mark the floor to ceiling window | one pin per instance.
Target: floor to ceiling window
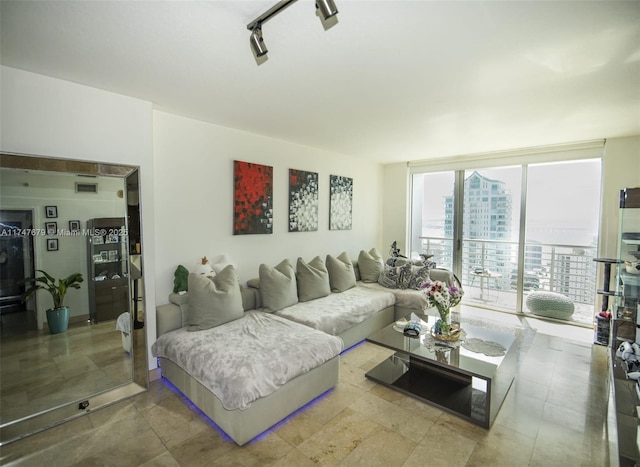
(513, 226)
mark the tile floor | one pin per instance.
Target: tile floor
(554, 415)
(39, 370)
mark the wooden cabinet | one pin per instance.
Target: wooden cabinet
(108, 271)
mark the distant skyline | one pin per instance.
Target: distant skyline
(563, 200)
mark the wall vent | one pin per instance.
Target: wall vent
(86, 187)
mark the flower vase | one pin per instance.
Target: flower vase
(445, 318)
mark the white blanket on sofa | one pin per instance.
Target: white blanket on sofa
(338, 312)
(251, 357)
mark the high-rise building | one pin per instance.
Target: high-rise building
(487, 216)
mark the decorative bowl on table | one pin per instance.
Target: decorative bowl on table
(452, 335)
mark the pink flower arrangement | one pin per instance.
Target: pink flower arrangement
(442, 296)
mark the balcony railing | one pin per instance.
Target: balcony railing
(492, 267)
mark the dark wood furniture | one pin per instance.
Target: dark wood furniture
(107, 252)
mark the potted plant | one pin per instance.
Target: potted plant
(58, 316)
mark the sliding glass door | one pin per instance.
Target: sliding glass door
(433, 217)
(512, 230)
(490, 235)
(561, 234)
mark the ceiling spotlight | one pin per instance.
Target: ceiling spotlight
(256, 41)
(327, 8)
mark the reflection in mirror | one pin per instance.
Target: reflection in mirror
(66, 217)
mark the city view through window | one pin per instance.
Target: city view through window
(560, 235)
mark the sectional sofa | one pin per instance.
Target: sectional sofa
(221, 339)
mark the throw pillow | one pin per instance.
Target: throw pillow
(312, 279)
(389, 277)
(341, 274)
(356, 270)
(419, 275)
(371, 265)
(213, 301)
(278, 286)
(404, 276)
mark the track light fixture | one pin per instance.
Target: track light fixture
(256, 41)
(326, 8)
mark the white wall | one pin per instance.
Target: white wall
(621, 169)
(193, 171)
(50, 117)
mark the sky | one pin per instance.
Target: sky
(562, 198)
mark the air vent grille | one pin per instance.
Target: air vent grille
(86, 187)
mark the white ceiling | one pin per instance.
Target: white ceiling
(392, 81)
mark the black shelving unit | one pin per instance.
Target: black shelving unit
(108, 268)
(603, 325)
(624, 326)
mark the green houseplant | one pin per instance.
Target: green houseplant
(58, 316)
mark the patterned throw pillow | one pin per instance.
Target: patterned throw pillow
(389, 277)
(419, 275)
(404, 276)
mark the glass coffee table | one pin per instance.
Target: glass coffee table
(470, 377)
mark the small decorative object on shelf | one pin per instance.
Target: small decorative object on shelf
(443, 297)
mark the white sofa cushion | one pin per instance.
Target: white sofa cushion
(278, 286)
(370, 265)
(213, 300)
(341, 273)
(312, 279)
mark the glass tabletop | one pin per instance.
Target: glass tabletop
(481, 349)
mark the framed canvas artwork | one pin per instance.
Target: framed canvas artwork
(340, 202)
(252, 198)
(303, 201)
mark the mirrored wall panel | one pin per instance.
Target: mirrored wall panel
(71, 282)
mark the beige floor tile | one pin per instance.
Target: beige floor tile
(265, 450)
(392, 417)
(295, 458)
(332, 403)
(382, 448)
(299, 427)
(502, 446)
(355, 376)
(462, 427)
(163, 460)
(158, 390)
(441, 447)
(134, 450)
(338, 438)
(112, 413)
(174, 421)
(202, 449)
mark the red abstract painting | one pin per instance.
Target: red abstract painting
(252, 198)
